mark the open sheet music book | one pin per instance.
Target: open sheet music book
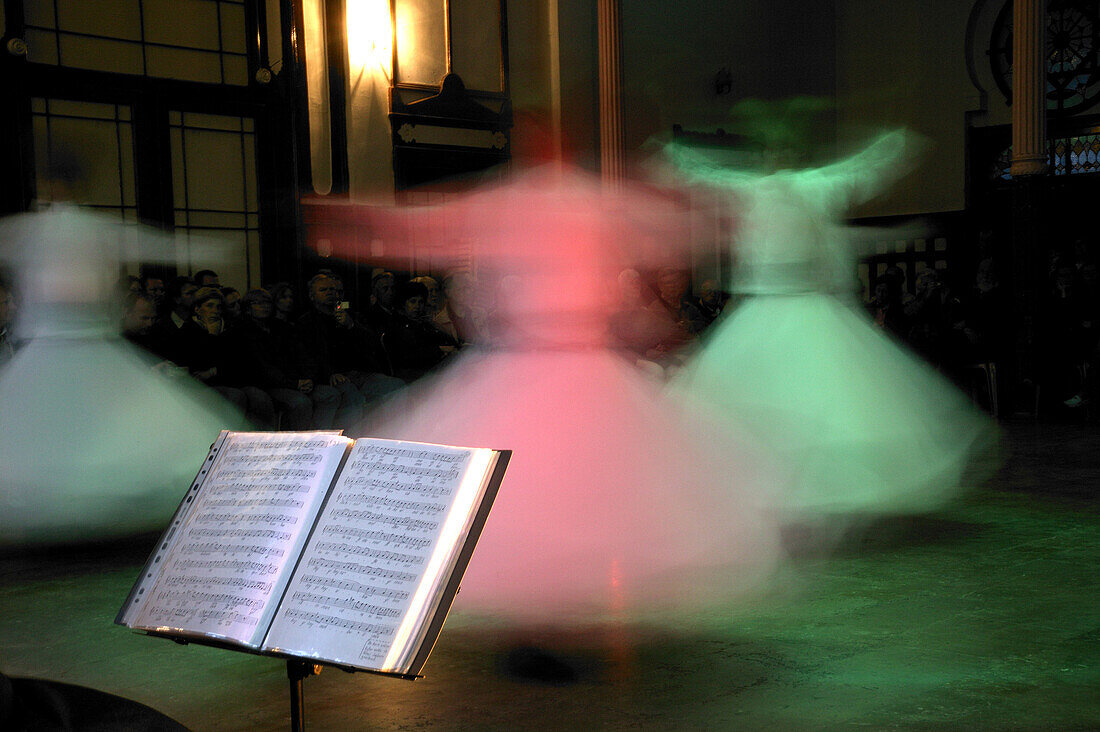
(314, 545)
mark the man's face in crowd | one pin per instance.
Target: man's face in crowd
(326, 292)
(187, 296)
(383, 291)
(154, 288)
(7, 307)
(140, 318)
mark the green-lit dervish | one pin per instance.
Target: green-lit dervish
(94, 442)
(863, 426)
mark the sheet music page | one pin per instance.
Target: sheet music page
(237, 545)
(367, 560)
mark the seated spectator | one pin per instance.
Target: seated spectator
(711, 301)
(459, 316)
(7, 318)
(434, 302)
(232, 303)
(341, 352)
(138, 327)
(888, 303)
(682, 321)
(282, 297)
(214, 358)
(273, 362)
(415, 346)
(381, 317)
(127, 284)
(207, 278)
(632, 325)
(153, 286)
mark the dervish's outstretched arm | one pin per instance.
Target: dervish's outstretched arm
(861, 176)
(698, 167)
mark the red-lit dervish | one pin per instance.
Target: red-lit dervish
(616, 499)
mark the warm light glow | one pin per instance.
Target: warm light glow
(370, 36)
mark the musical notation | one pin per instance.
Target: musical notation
(347, 604)
(240, 584)
(237, 565)
(256, 503)
(241, 533)
(366, 551)
(270, 518)
(394, 504)
(313, 580)
(393, 486)
(412, 542)
(412, 454)
(364, 570)
(448, 474)
(397, 522)
(333, 621)
(254, 459)
(228, 616)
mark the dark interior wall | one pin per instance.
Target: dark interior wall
(673, 52)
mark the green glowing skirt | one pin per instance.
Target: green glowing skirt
(859, 423)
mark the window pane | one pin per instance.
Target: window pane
(236, 70)
(163, 23)
(475, 43)
(112, 18)
(101, 147)
(176, 63)
(39, 13)
(101, 54)
(233, 33)
(41, 47)
(421, 41)
(214, 174)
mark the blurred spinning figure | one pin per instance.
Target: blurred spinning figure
(93, 442)
(610, 504)
(864, 426)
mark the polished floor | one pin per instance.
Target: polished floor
(982, 616)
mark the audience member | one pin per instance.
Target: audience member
(153, 286)
(214, 358)
(381, 317)
(434, 302)
(232, 303)
(711, 301)
(7, 318)
(460, 316)
(274, 362)
(415, 346)
(633, 326)
(889, 301)
(341, 353)
(207, 278)
(681, 320)
(282, 296)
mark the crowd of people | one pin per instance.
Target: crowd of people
(323, 363)
(956, 327)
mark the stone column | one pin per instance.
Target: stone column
(611, 92)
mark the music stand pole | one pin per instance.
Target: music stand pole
(297, 670)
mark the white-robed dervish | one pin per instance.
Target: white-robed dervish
(94, 443)
(863, 425)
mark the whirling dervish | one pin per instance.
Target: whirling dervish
(865, 427)
(611, 504)
(94, 443)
